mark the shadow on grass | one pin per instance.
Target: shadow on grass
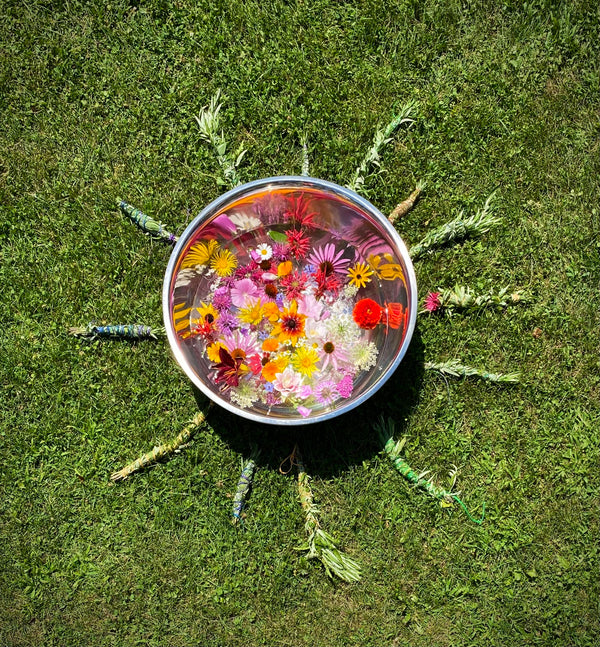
(328, 448)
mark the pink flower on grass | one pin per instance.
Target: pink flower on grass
(327, 261)
(432, 302)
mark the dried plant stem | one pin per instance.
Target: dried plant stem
(406, 205)
(147, 224)
(161, 451)
(132, 332)
(320, 544)
(455, 369)
(458, 229)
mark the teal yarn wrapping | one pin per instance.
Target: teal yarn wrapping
(147, 224)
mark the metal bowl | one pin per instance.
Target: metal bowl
(289, 300)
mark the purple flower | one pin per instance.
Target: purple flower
(304, 411)
(328, 261)
(326, 392)
(227, 323)
(221, 299)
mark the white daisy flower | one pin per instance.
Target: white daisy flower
(264, 252)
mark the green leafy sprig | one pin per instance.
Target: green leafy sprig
(454, 368)
(209, 124)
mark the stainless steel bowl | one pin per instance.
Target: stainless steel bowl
(247, 223)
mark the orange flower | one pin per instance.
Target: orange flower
(283, 269)
(271, 311)
(290, 326)
(270, 345)
(270, 369)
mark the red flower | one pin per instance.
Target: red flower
(432, 302)
(394, 314)
(326, 283)
(367, 313)
(298, 212)
(293, 284)
(228, 369)
(298, 243)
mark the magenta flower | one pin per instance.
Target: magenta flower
(432, 302)
(345, 385)
(327, 261)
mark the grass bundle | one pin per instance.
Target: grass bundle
(458, 229)
(463, 298)
(131, 332)
(243, 488)
(406, 205)
(321, 544)
(455, 369)
(382, 137)
(209, 124)
(162, 451)
(147, 224)
(386, 431)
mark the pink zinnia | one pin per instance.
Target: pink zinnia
(327, 261)
(433, 302)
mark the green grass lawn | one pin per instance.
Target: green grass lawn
(98, 103)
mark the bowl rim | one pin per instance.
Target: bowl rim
(293, 181)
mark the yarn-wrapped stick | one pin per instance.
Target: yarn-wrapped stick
(458, 229)
(406, 205)
(131, 332)
(147, 224)
(386, 431)
(161, 451)
(243, 488)
(321, 544)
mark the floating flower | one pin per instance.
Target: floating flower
(245, 222)
(227, 323)
(360, 275)
(332, 355)
(363, 356)
(298, 243)
(221, 299)
(207, 312)
(242, 344)
(223, 262)
(326, 392)
(243, 291)
(264, 252)
(271, 368)
(253, 313)
(283, 269)
(271, 291)
(212, 351)
(298, 212)
(327, 260)
(270, 345)
(294, 284)
(305, 360)
(433, 301)
(244, 394)
(290, 326)
(199, 254)
(304, 411)
(345, 386)
(229, 369)
(288, 382)
(367, 313)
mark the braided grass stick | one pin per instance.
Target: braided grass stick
(132, 332)
(244, 486)
(406, 205)
(386, 430)
(147, 224)
(458, 229)
(455, 369)
(321, 544)
(160, 451)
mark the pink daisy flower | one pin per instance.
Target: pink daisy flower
(327, 261)
(326, 392)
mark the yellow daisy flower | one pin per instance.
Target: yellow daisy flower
(212, 352)
(199, 254)
(207, 312)
(223, 262)
(253, 314)
(305, 360)
(360, 275)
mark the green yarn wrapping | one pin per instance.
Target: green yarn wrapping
(147, 224)
(393, 449)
